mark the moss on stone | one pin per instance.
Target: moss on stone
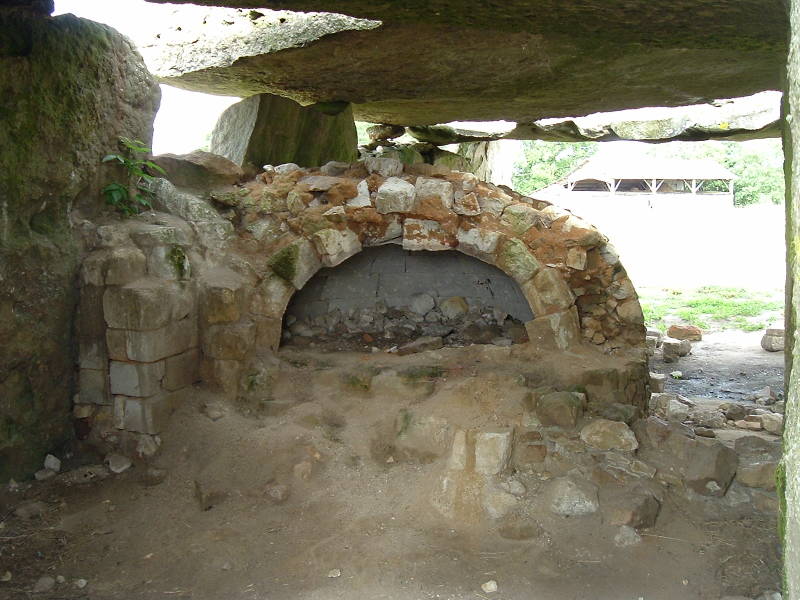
(284, 262)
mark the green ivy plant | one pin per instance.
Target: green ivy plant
(133, 198)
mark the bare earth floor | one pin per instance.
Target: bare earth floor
(358, 521)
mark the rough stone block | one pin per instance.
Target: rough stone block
(710, 468)
(125, 265)
(93, 386)
(440, 189)
(229, 342)
(480, 243)
(90, 323)
(672, 349)
(634, 509)
(268, 332)
(93, 269)
(296, 262)
(657, 381)
(363, 198)
(773, 343)
(385, 167)
(571, 497)
(631, 312)
(395, 195)
(143, 415)
(466, 204)
(168, 262)
(136, 379)
(222, 375)
(547, 292)
(150, 346)
(685, 332)
(757, 473)
(492, 451)
(335, 246)
(603, 434)
(576, 258)
(149, 235)
(423, 234)
(519, 218)
(560, 330)
(92, 354)
(222, 298)
(181, 370)
(458, 458)
(145, 305)
(271, 297)
(517, 261)
(559, 409)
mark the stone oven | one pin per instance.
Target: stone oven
(198, 291)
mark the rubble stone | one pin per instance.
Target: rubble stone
(603, 434)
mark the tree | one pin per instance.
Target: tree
(544, 163)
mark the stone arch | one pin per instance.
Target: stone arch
(195, 291)
(572, 278)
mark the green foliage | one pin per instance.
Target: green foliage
(544, 163)
(711, 307)
(134, 197)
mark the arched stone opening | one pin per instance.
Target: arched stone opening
(385, 297)
(198, 292)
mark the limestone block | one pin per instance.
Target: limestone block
(169, 262)
(772, 422)
(334, 167)
(576, 258)
(125, 265)
(570, 497)
(296, 263)
(710, 468)
(93, 386)
(335, 246)
(492, 205)
(521, 217)
(657, 381)
(559, 409)
(493, 450)
(621, 288)
(222, 375)
(757, 473)
(268, 332)
(547, 292)
(319, 183)
(148, 235)
(603, 434)
(153, 345)
(634, 509)
(496, 502)
(685, 332)
(229, 342)
(578, 232)
(142, 415)
(423, 234)
(92, 354)
(457, 461)
(650, 343)
(93, 269)
(362, 198)
(199, 170)
(385, 167)
(773, 343)
(181, 370)
(466, 204)
(145, 304)
(560, 330)
(440, 189)
(271, 297)
(395, 195)
(222, 296)
(631, 312)
(480, 243)
(136, 379)
(517, 261)
(672, 349)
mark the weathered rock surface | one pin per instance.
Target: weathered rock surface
(270, 130)
(623, 50)
(199, 169)
(685, 332)
(71, 88)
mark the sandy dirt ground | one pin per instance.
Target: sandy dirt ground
(358, 521)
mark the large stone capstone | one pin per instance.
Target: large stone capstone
(520, 62)
(270, 130)
(69, 88)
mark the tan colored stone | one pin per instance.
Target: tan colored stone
(557, 330)
(271, 297)
(440, 189)
(480, 243)
(424, 234)
(603, 434)
(222, 297)
(517, 260)
(493, 450)
(125, 265)
(335, 246)
(181, 370)
(395, 195)
(466, 204)
(685, 332)
(229, 342)
(576, 258)
(153, 345)
(143, 415)
(145, 305)
(296, 262)
(559, 409)
(547, 292)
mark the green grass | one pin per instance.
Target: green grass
(711, 308)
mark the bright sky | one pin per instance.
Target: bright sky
(186, 118)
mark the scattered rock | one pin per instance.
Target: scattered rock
(44, 474)
(153, 476)
(31, 509)
(570, 497)
(52, 463)
(44, 584)
(711, 467)
(626, 537)
(422, 304)
(118, 463)
(559, 409)
(733, 411)
(81, 583)
(657, 382)
(277, 493)
(685, 332)
(6, 577)
(672, 349)
(632, 508)
(603, 434)
(60, 579)
(454, 308)
(676, 374)
(748, 424)
(705, 432)
(213, 410)
(83, 475)
(207, 495)
(656, 334)
(421, 345)
(773, 339)
(334, 573)
(756, 473)
(489, 587)
(772, 422)
(302, 470)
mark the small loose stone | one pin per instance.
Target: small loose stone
(490, 586)
(334, 573)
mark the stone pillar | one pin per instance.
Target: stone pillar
(271, 130)
(790, 482)
(70, 89)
